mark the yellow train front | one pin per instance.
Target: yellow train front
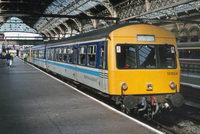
(143, 68)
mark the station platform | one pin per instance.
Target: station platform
(31, 102)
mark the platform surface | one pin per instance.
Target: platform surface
(31, 102)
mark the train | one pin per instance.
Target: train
(189, 57)
(189, 52)
(135, 65)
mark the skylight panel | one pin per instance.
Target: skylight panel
(87, 6)
(56, 3)
(52, 10)
(92, 3)
(65, 3)
(69, 1)
(77, 11)
(55, 8)
(63, 19)
(73, 13)
(81, 9)
(47, 11)
(15, 24)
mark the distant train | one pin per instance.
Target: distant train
(189, 57)
(189, 52)
(136, 65)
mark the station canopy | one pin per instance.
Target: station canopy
(70, 17)
(32, 16)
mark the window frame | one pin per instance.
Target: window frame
(92, 53)
(63, 58)
(158, 62)
(84, 53)
(71, 53)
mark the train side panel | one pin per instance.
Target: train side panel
(91, 75)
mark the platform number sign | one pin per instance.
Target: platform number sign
(118, 49)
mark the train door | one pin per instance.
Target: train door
(75, 62)
(30, 55)
(103, 73)
(48, 54)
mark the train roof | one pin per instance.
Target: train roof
(38, 46)
(188, 44)
(96, 34)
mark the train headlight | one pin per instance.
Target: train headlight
(172, 85)
(149, 86)
(124, 86)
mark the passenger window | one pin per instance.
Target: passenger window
(52, 54)
(35, 54)
(32, 54)
(91, 58)
(59, 54)
(41, 54)
(82, 53)
(49, 54)
(70, 54)
(65, 54)
(54, 51)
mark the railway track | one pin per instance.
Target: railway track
(184, 120)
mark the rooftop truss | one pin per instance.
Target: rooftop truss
(165, 9)
(55, 17)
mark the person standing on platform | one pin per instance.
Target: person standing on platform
(11, 60)
(25, 57)
(8, 57)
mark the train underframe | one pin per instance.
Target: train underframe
(150, 105)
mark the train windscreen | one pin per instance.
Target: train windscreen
(131, 56)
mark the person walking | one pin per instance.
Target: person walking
(25, 57)
(11, 60)
(8, 57)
